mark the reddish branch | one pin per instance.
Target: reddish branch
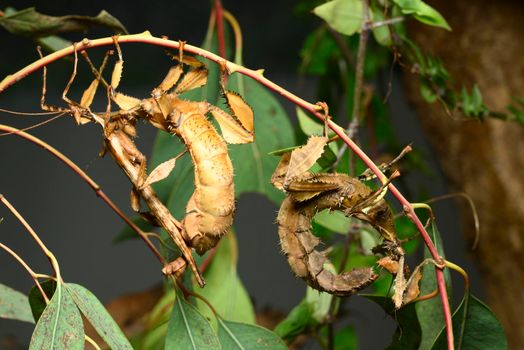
(258, 76)
(219, 12)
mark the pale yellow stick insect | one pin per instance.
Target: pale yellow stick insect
(209, 212)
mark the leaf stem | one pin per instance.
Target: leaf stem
(92, 342)
(474, 212)
(257, 75)
(34, 235)
(33, 275)
(235, 26)
(460, 270)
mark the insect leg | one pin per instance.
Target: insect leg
(43, 104)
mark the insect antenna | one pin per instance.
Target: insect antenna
(34, 126)
(30, 113)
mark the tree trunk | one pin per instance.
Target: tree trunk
(484, 159)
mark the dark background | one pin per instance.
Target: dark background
(79, 228)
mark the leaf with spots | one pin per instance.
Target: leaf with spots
(98, 316)
(60, 326)
(14, 305)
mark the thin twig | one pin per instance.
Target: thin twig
(359, 72)
(89, 181)
(33, 275)
(259, 77)
(219, 12)
(359, 82)
(34, 235)
(474, 212)
(386, 22)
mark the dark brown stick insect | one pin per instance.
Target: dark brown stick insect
(309, 193)
(209, 212)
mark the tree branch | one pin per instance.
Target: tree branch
(257, 75)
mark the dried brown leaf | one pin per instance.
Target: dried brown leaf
(400, 285)
(89, 94)
(304, 157)
(117, 74)
(126, 102)
(277, 179)
(171, 78)
(232, 131)
(160, 172)
(240, 109)
(413, 290)
(191, 80)
(304, 189)
(389, 264)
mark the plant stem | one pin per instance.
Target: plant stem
(89, 181)
(219, 12)
(34, 235)
(386, 22)
(460, 270)
(474, 212)
(33, 275)
(257, 75)
(359, 82)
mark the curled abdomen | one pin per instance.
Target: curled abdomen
(298, 243)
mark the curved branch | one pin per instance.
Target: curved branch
(89, 181)
(257, 75)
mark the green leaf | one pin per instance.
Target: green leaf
(427, 93)
(345, 16)
(308, 125)
(189, 329)
(474, 327)
(381, 34)
(253, 166)
(310, 312)
(36, 300)
(224, 289)
(423, 13)
(14, 305)
(473, 105)
(33, 24)
(60, 326)
(98, 316)
(407, 334)
(299, 320)
(334, 220)
(53, 43)
(346, 339)
(158, 320)
(320, 301)
(241, 336)
(429, 312)
(318, 52)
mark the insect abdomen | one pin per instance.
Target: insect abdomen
(209, 212)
